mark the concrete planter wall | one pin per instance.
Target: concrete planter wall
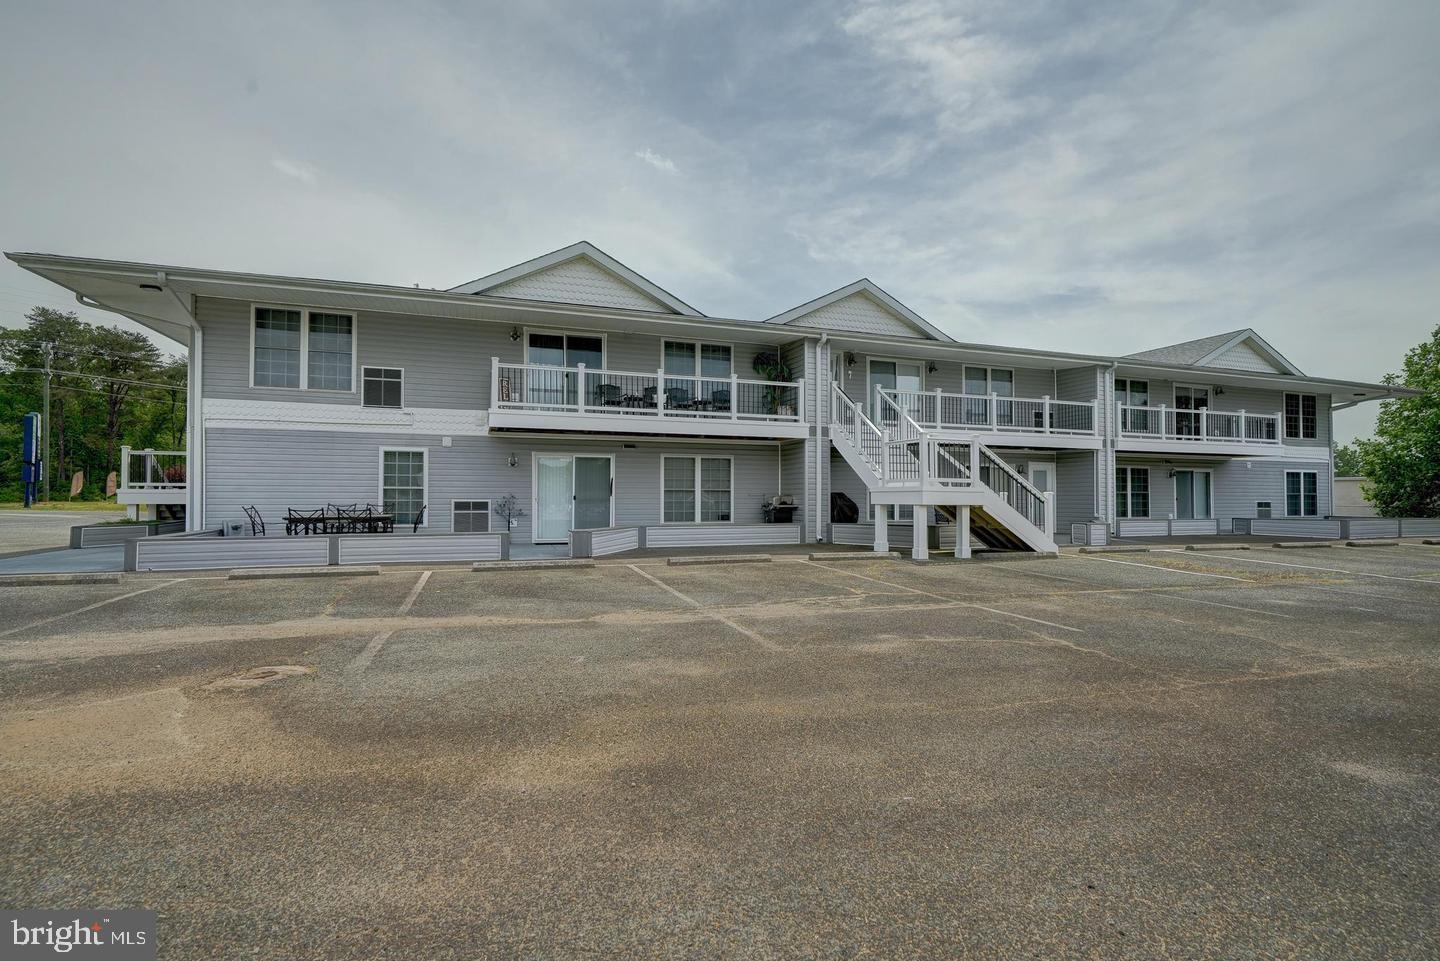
(208, 551)
(1322, 527)
(609, 540)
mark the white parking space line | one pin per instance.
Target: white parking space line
(1328, 570)
(363, 659)
(763, 641)
(947, 600)
(91, 607)
(1155, 567)
(1233, 607)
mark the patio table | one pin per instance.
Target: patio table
(329, 523)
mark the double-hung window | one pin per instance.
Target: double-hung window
(698, 490)
(383, 387)
(402, 483)
(1302, 493)
(1301, 418)
(1132, 492)
(302, 349)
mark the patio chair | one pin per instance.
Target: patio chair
(720, 400)
(609, 395)
(304, 522)
(352, 520)
(650, 394)
(257, 523)
(419, 519)
(678, 398)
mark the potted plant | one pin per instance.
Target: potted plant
(778, 400)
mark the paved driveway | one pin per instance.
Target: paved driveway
(22, 530)
(1163, 755)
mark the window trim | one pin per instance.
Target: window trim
(365, 367)
(425, 475)
(489, 514)
(1129, 514)
(1128, 382)
(305, 313)
(1299, 415)
(698, 481)
(535, 456)
(1286, 492)
(567, 333)
(698, 344)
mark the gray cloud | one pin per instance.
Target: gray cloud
(1102, 176)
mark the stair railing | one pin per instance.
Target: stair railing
(1015, 490)
(859, 431)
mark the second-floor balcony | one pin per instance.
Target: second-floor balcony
(1215, 431)
(542, 397)
(1041, 420)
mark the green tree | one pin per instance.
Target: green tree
(1402, 461)
(1348, 462)
(110, 387)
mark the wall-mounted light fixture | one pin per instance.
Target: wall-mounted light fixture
(849, 358)
(514, 334)
(1219, 390)
(930, 368)
(514, 461)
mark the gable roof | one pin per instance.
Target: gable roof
(1237, 350)
(861, 307)
(579, 274)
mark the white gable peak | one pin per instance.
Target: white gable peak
(579, 274)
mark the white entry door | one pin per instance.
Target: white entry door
(1041, 473)
(572, 492)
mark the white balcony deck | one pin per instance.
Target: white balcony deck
(152, 477)
(1007, 421)
(539, 397)
(1165, 429)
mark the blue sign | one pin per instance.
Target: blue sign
(31, 456)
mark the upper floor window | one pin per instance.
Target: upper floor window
(990, 380)
(685, 358)
(299, 349)
(277, 347)
(1301, 420)
(1133, 393)
(383, 387)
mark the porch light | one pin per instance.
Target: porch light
(514, 461)
(514, 335)
(930, 368)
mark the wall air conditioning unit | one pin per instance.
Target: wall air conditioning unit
(1262, 510)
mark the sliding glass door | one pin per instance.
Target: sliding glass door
(571, 493)
(1192, 495)
(560, 388)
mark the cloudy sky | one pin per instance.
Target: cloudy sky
(1096, 176)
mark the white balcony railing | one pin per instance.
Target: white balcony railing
(938, 410)
(1199, 426)
(152, 470)
(622, 393)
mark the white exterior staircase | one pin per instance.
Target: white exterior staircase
(904, 463)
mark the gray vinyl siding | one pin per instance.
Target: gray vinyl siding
(278, 469)
(799, 476)
(1078, 383)
(1074, 488)
(446, 362)
(1239, 484)
(797, 472)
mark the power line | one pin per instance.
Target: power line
(22, 336)
(80, 373)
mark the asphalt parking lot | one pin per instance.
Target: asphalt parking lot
(1219, 755)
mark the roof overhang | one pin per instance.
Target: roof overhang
(1343, 393)
(125, 288)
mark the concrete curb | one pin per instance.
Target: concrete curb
(267, 573)
(94, 577)
(1008, 557)
(719, 559)
(1217, 547)
(540, 564)
(1300, 545)
(1432, 543)
(855, 556)
(1118, 549)
(1372, 543)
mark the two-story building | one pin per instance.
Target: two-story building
(589, 399)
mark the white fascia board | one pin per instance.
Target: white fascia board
(582, 249)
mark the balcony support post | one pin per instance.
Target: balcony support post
(660, 392)
(939, 421)
(734, 396)
(882, 528)
(962, 532)
(1045, 419)
(580, 387)
(920, 539)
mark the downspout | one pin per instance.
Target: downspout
(1106, 505)
(821, 372)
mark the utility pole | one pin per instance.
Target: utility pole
(45, 425)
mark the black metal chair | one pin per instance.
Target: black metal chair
(257, 523)
(609, 395)
(304, 522)
(720, 400)
(419, 519)
(650, 394)
(678, 398)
